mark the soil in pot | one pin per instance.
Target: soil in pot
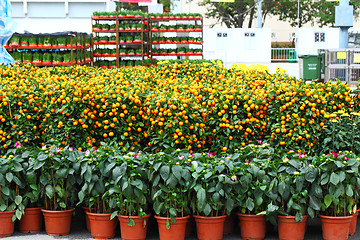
(335, 228)
(176, 230)
(210, 228)
(31, 221)
(6, 223)
(252, 226)
(289, 229)
(136, 232)
(102, 227)
(57, 223)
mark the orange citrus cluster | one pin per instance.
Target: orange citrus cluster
(195, 106)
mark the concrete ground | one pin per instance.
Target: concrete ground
(78, 231)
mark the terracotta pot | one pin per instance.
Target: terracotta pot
(229, 224)
(289, 229)
(137, 232)
(6, 223)
(57, 223)
(352, 227)
(210, 228)
(252, 226)
(31, 221)
(102, 227)
(335, 228)
(176, 230)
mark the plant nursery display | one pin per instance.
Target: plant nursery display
(123, 38)
(50, 49)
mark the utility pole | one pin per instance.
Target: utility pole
(344, 20)
(259, 14)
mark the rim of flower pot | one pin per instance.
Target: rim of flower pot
(213, 217)
(52, 211)
(338, 217)
(133, 217)
(288, 217)
(163, 218)
(254, 215)
(98, 214)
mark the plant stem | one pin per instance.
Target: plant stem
(52, 176)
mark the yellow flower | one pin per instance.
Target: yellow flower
(333, 115)
(345, 115)
(334, 120)
(355, 114)
(341, 112)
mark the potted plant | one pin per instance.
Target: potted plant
(15, 41)
(251, 191)
(67, 59)
(58, 180)
(137, 39)
(57, 59)
(30, 190)
(129, 39)
(112, 28)
(131, 192)
(138, 52)
(33, 41)
(131, 52)
(17, 57)
(36, 58)
(112, 40)
(171, 180)
(127, 27)
(11, 202)
(24, 41)
(27, 58)
(97, 191)
(211, 199)
(294, 178)
(47, 41)
(122, 52)
(338, 179)
(96, 27)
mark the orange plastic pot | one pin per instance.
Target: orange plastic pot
(102, 227)
(335, 228)
(31, 221)
(352, 228)
(289, 229)
(57, 223)
(252, 226)
(6, 223)
(210, 228)
(176, 230)
(136, 232)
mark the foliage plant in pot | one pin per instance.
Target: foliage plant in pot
(98, 192)
(132, 195)
(11, 202)
(254, 181)
(294, 178)
(31, 221)
(211, 193)
(338, 180)
(58, 179)
(171, 179)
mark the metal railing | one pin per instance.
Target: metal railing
(283, 55)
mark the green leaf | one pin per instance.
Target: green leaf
(177, 171)
(157, 207)
(207, 210)
(172, 212)
(131, 222)
(334, 178)
(49, 190)
(314, 203)
(250, 204)
(62, 205)
(167, 224)
(310, 174)
(5, 190)
(18, 214)
(9, 176)
(18, 199)
(201, 199)
(164, 172)
(113, 214)
(349, 192)
(328, 200)
(281, 188)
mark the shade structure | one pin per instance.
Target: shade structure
(7, 27)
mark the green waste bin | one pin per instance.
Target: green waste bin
(292, 56)
(309, 67)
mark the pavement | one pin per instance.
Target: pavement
(78, 231)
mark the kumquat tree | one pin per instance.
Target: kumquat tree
(194, 106)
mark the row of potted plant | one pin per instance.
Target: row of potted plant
(177, 28)
(174, 184)
(48, 41)
(112, 63)
(111, 52)
(176, 51)
(139, 14)
(48, 58)
(176, 40)
(97, 27)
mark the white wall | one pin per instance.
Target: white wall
(306, 43)
(238, 45)
(48, 16)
